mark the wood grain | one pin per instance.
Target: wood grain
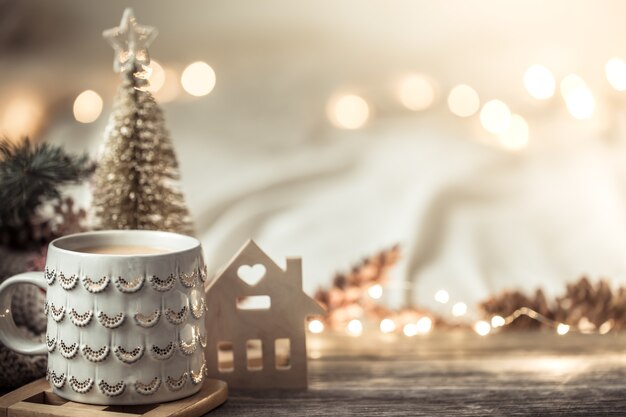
(459, 374)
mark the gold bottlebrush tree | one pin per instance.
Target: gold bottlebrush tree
(135, 184)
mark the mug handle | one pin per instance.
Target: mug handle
(10, 335)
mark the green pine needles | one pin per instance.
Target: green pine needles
(31, 175)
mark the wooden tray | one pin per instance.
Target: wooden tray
(37, 400)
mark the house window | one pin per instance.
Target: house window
(225, 356)
(254, 302)
(254, 354)
(283, 353)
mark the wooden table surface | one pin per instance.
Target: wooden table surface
(460, 374)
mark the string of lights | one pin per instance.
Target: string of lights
(425, 324)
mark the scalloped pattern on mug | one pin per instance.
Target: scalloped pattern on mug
(188, 280)
(50, 275)
(149, 388)
(80, 320)
(81, 387)
(57, 380)
(202, 339)
(203, 273)
(57, 313)
(128, 356)
(93, 355)
(46, 308)
(68, 352)
(95, 287)
(188, 348)
(51, 344)
(197, 309)
(131, 286)
(176, 384)
(197, 378)
(67, 283)
(148, 320)
(111, 322)
(163, 285)
(174, 317)
(164, 352)
(111, 390)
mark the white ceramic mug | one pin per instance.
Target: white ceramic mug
(122, 329)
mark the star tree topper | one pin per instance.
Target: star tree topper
(130, 40)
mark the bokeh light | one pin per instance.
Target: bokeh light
(495, 116)
(442, 296)
(570, 83)
(410, 329)
(198, 79)
(424, 325)
(539, 82)
(578, 98)
(375, 291)
(316, 326)
(22, 115)
(170, 89)
(562, 329)
(417, 92)
(87, 106)
(615, 70)
(497, 321)
(348, 111)
(516, 136)
(355, 327)
(463, 100)
(157, 76)
(387, 326)
(459, 309)
(482, 328)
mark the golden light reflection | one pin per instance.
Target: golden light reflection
(417, 92)
(516, 136)
(442, 296)
(348, 111)
(316, 326)
(87, 106)
(539, 82)
(375, 291)
(157, 76)
(497, 321)
(463, 100)
(615, 70)
(387, 326)
(495, 116)
(424, 325)
(410, 329)
(459, 309)
(355, 327)
(562, 329)
(482, 328)
(198, 79)
(22, 115)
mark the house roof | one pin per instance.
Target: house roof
(251, 254)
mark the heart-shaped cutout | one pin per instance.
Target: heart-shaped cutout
(251, 275)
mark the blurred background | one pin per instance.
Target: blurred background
(486, 137)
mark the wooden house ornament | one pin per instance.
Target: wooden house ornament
(256, 322)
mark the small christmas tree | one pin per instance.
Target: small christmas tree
(135, 184)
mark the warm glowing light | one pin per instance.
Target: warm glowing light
(616, 73)
(387, 326)
(87, 106)
(463, 100)
(482, 328)
(459, 309)
(424, 325)
(170, 89)
(539, 82)
(22, 115)
(442, 296)
(516, 136)
(571, 83)
(495, 116)
(417, 92)
(348, 111)
(562, 329)
(497, 321)
(580, 103)
(198, 79)
(606, 326)
(355, 327)
(410, 329)
(316, 326)
(157, 76)
(375, 291)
